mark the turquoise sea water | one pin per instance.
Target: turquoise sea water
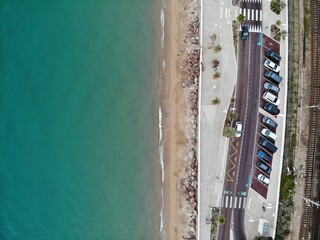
(78, 120)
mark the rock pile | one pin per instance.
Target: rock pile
(192, 36)
(190, 81)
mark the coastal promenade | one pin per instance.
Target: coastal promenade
(217, 18)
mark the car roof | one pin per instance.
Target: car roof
(239, 126)
(270, 96)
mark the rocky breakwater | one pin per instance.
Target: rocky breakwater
(191, 67)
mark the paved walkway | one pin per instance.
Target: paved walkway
(217, 19)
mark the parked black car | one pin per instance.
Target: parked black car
(273, 55)
(270, 108)
(267, 145)
(264, 167)
(271, 87)
(273, 76)
(269, 122)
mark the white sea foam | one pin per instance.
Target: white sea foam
(162, 169)
(162, 21)
(162, 25)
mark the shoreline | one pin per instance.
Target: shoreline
(178, 101)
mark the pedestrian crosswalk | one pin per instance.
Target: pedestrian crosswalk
(233, 202)
(251, 14)
(253, 17)
(252, 28)
(252, 1)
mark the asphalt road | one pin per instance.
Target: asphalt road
(242, 150)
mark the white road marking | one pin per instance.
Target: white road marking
(230, 202)
(239, 205)
(244, 203)
(244, 12)
(249, 203)
(240, 10)
(257, 14)
(252, 14)
(248, 18)
(226, 202)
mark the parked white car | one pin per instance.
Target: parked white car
(267, 133)
(264, 179)
(272, 66)
(271, 98)
(238, 129)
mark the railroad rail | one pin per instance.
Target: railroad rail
(310, 220)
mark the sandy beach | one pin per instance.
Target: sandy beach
(177, 124)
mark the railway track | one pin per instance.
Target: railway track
(310, 220)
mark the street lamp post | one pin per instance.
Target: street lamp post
(308, 200)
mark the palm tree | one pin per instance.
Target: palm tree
(233, 115)
(215, 101)
(229, 132)
(283, 34)
(217, 48)
(277, 6)
(222, 219)
(241, 18)
(216, 75)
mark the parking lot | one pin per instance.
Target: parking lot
(265, 159)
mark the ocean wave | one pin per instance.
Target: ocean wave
(162, 25)
(162, 170)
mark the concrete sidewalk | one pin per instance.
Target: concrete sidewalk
(217, 18)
